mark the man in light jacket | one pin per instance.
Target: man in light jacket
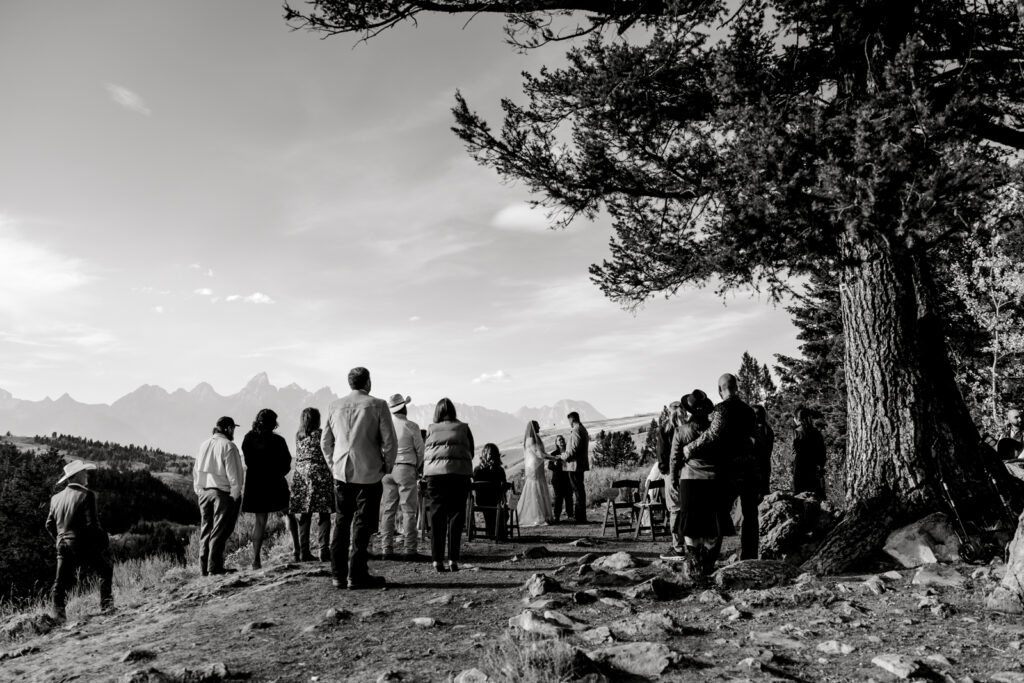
(217, 481)
(400, 486)
(577, 462)
(359, 438)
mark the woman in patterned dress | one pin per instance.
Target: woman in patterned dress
(312, 491)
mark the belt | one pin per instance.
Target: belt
(214, 488)
(410, 464)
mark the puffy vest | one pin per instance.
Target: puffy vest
(448, 449)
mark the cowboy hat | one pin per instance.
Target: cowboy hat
(697, 402)
(74, 467)
(397, 401)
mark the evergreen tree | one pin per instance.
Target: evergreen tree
(652, 442)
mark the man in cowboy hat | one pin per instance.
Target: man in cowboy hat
(217, 481)
(75, 525)
(400, 485)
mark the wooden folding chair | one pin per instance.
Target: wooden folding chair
(509, 513)
(488, 491)
(652, 500)
(623, 502)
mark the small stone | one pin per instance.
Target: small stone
(654, 589)
(257, 626)
(639, 659)
(390, 677)
(137, 655)
(535, 552)
(938, 660)
(617, 561)
(541, 604)
(938, 575)
(335, 614)
(564, 620)
(875, 584)
(710, 597)
(583, 598)
(776, 639)
(597, 636)
(587, 559)
(875, 640)
(892, 575)
(1007, 677)
(541, 584)
(445, 599)
(469, 604)
(471, 676)
(424, 622)
(733, 613)
(834, 647)
(582, 543)
(981, 573)
(615, 602)
(1015, 644)
(749, 663)
(898, 665)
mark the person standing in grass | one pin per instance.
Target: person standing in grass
(400, 487)
(560, 482)
(448, 470)
(74, 523)
(577, 462)
(360, 439)
(217, 482)
(267, 462)
(311, 491)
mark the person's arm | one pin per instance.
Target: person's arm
(92, 517)
(195, 474)
(327, 440)
(417, 446)
(572, 447)
(472, 445)
(286, 456)
(51, 523)
(233, 469)
(388, 438)
(704, 443)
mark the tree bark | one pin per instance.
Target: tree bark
(908, 426)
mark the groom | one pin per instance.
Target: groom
(577, 462)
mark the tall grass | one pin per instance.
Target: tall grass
(536, 661)
(239, 547)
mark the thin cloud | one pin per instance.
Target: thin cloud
(204, 291)
(128, 99)
(521, 217)
(33, 272)
(158, 309)
(481, 328)
(414, 318)
(493, 377)
(254, 298)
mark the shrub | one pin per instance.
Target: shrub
(614, 449)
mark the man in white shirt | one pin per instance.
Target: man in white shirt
(217, 481)
(359, 438)
(400, 486)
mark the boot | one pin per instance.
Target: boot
(304, 523)
(710, 557)
(694, 565)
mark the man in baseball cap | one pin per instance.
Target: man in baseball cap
(217, 481)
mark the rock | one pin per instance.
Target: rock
(645, 625)
(926, 541)
(150, 675)
(208, 673)
(532, 622)
(615, 602)
(981, 573)
(617, 561)
(137, 655)
(938, 660)
(775, 639)
(469, 604)
(390, 677)
(608, 579)
(875, 584)
(542, 604)
(654, 589)
(899, 666)
(336, 614)
(755, 574)
(471, 676)
(1007, 677)
(597, 636)
(584, 597)
(938, 575)
(790, 526)
(565, 620)
(541, 584)
(709, 597)
(424, 622)
(582, 543)
(639, 659)
(733, 613)
(25, 625)
(19, 652)
(445, 599)
(834, 647)
(257, 626)
(892, 575)
(587, 559)
(535, 552)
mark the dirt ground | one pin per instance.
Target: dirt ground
(270, 625)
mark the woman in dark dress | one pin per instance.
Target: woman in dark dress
(267, 462)
(490, 471)
(311, 491)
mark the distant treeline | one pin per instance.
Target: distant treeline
(149, 516)
(118, 456)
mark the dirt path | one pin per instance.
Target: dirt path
(271, 625)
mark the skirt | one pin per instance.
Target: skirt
(704, 507)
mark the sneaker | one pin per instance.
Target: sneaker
(440, 568)
(453, 566)
(673, 557)
(368, 581)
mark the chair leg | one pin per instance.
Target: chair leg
(604, 524)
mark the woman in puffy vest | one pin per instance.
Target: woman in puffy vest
(448, 470)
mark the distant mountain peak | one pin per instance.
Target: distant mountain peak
(204, 390)
(259, 381)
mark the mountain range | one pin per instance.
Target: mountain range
(178, 421)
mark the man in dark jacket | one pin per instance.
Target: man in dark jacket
(808, 455)
(74, 524)
(730, 438)
(577, 462)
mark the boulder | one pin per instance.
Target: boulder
(834, 647)
(654, 589)
(208, 673)
(541, 584)
(533, 622)
(938, 575)
(597, 636)
(652, 625)
(617, 561)
(755, 574)
(791, 526)
(899, 666)
(929, 540)
(471, 676)
(639, 659)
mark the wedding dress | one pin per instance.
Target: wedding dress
(534, 505)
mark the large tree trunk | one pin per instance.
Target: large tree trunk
(908, 426)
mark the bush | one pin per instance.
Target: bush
(614, 449)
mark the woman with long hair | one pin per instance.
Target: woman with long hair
(534, 506)
(311, 491)
(448, 469)
(267, 462)
(490, 471)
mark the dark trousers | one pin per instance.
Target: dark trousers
(358, 513)
(73, 555)
(579, 491)
(563, 493)
(302, 523)
(750, 496)
(218, 513)
(447, 495)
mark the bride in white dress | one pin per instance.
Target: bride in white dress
(534, 505)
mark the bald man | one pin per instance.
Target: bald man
(729, 443)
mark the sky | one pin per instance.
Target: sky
(191, 192)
